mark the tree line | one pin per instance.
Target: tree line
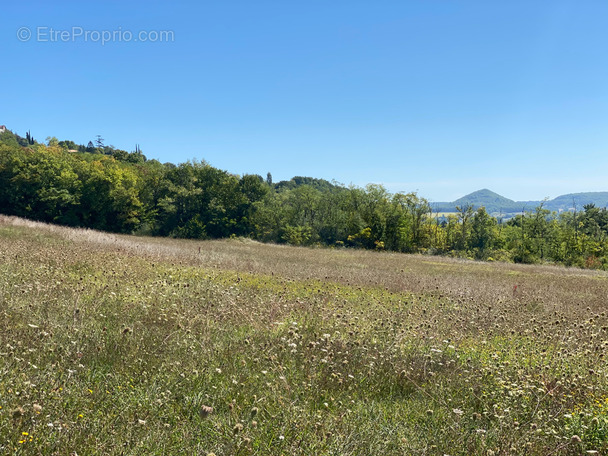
(113, 190)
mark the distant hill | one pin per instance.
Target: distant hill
(493, 202)
(499, 205)
(567, 202)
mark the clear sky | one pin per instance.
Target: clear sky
(439, 97)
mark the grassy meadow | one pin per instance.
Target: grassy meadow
(118, 345)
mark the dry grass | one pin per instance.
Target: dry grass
(113, 344)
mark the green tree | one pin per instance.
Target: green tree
(483, 234)
(464, 213)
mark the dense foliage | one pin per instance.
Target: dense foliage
(110, 189)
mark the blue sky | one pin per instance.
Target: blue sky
(439, 97)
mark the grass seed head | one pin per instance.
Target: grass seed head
(205, 411)
(17, 413)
